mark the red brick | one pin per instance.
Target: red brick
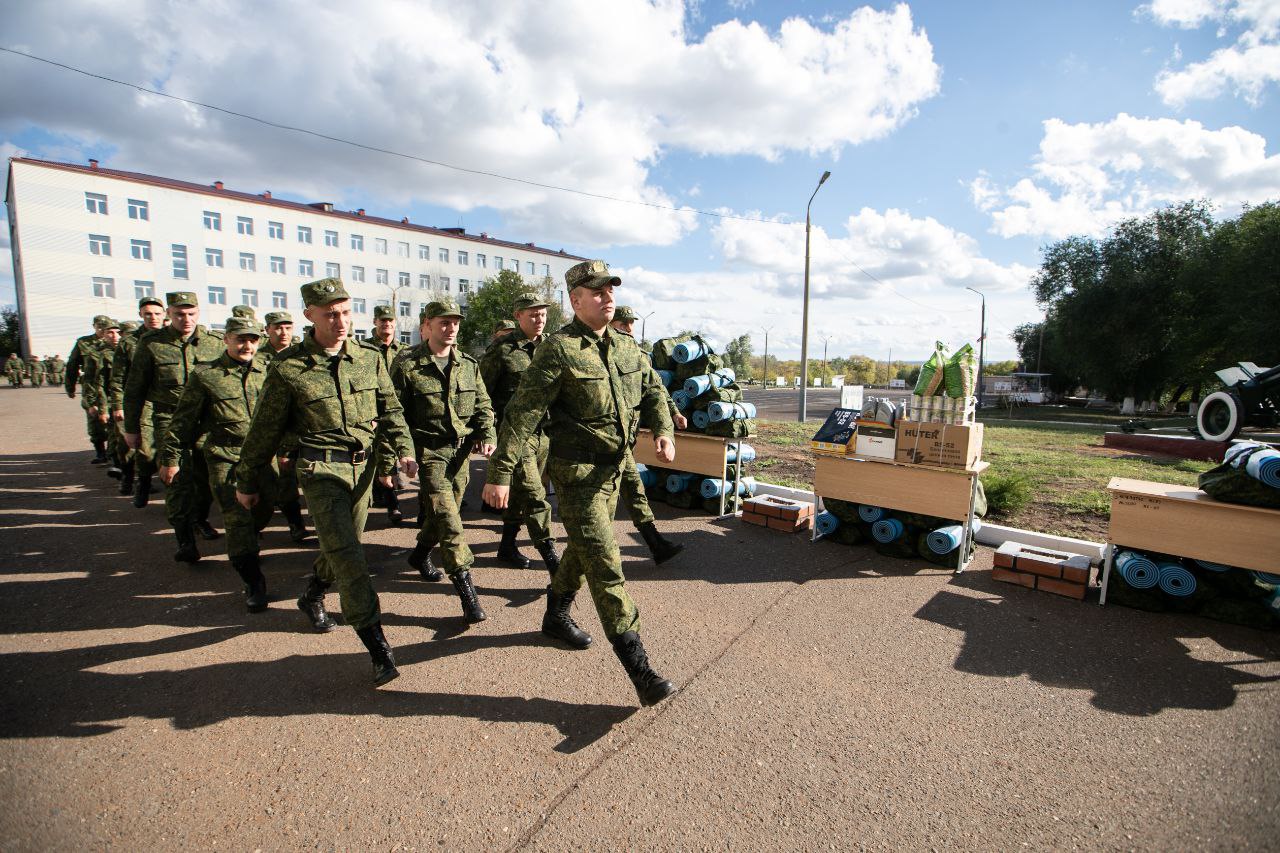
(1070, 590)
(1075, 574)
(788, 525)
(753, 518)
(1029, 581)
(1038, 564)
(1006, 555)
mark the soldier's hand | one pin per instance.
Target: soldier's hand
(103, 417)
(485, 450)
(665, 449)
(497, 496)
(246, 501)
(93, 411)
(285, 461)
(409, 466)
(133, 439)
(385, 482)
(167, 473)
(681, 421)
(118, 415)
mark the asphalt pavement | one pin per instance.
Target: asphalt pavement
(829, 698)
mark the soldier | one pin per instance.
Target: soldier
(503, 364)
(217, 403)
(95, 381)
(633, 496)
(279, 333)
(502, 330)
(595, 384)
(13, 368)
(139, 464)
(35, 371)
(334, 395)
(161, 366)
(288, 496)
(86, 346)
(383, 342)
(57, 370)
(449, 415)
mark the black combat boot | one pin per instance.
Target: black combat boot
(187, 550)
(142, 491)
(114, 471)
(467, 592)
(650, 687)
(394, 515)
(557, 622)
(292, 512)
(420, 559)
(311, 602)
(255, 583)
(508, 550)
(206, 530)
(550, 558)
(662, 549)
(384, 662)
(99, 453)
(126, 480)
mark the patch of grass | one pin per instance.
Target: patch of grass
(784, 434)
(1007, 493)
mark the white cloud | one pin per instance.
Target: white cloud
(589, 95)
(1245, 68)
(1089, 176)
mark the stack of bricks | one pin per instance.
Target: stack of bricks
(776, 513)
(1059, 572)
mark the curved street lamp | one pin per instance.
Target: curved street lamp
(804, 331)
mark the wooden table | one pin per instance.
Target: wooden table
(936, 490)
(1186, 522)
(696, 453)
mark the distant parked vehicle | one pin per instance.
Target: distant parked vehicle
(1251, 398)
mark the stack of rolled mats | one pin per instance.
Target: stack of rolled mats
(894, 534)
(688, 491)
(1159, 583)
(702, 387)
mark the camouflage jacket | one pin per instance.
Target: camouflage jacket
(595, 387)
(95, 379)
(217, 403)
(389, 352)
(35, 367)
(120, 365)
(648, 352)
(443, 411)
(330, 403)
(13, 365)
(502, 365)
(160, 368)
(75, 361)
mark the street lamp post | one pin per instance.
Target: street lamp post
(982, 340)
(825, 340)
(804, 330)
(643, 321)
(764, 380)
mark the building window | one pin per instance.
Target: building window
(95, 203)
(380, 245)
(357, 273)
(139, 210)
(333, 270)
(249, 297)
(140, 250)
(212, 220)
(307, 268)
(406, 308)
(358, 306)
(546, 271)
(444, 256)
(247, 262)
(424, 252)
(464, 286)
(331, 238)
(404, 279)
(528, 267)
(244, 225)
(481, 261)
(497, 262)
(275, 230)
(279, 299)
(304, 233)
(380, 276)
(217, 295)
(213, 257)
(424, 282)
(383, 302)
(143, 289)
(444, 283)
(406, 338)
(277, 265)
(179, 260)
(104, 287)
(357, 242)
(99, 244)
(463, 257)
(402, 249)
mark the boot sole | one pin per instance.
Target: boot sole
(650, 701)
(671, 556)
(568, 642)
(386, 678)
(317, 628)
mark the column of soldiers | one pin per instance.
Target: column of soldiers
(34, 370)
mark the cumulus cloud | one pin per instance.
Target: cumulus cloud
(589, 95)
(1087, 177)
(1244, 68)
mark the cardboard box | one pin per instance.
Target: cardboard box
(875, 440)
(836, 433)
(949, 445)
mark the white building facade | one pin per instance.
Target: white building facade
(88, 240)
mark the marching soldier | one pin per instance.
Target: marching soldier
(57, 370)
(35, 371)
(95, 383)
(140, 464)
(288, 497)
(159, 371)
(388, 348)
(504, 362)
(13, 368)
(449, 416)
(595, 384)
(334, 395)
(86, 347)
(217, 403)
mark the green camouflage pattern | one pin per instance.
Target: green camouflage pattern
(385, 461)
(633, 497)
(14, 369)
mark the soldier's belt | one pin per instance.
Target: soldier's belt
(586, 457)
(351, 457)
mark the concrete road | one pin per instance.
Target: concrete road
(829, 698)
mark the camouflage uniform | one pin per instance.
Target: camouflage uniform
(595, 387)
(57, 370)
(140, 463)
(384, 461)
(13, 368)
(288, 495)
(35, 372)
(86, 347)
(94, 391)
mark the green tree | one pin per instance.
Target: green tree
(738, 354)
(10, 332)
(1000, 368)
(492, 303)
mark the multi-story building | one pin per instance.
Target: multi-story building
(89, 240)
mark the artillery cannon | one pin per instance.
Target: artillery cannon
(1251, 398)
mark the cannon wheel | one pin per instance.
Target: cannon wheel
(1219, 416)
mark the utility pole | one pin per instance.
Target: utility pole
(825, 340)
(764, 380)
(982, 341)
(804, 329)
(643, 324)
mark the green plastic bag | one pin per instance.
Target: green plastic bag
(961, 373)
(930, 383)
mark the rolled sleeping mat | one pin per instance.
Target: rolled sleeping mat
(1212, 567)
(724, 376)
(1261, 462)
(667, 377)
(887, 530)
(826, 523)
(944, 540)
(701, 420)
(731, 411)
(678, 482)
(696, 386)
(1175, 580)
(647, 477)
(688, 351)
(748, 453)
(870, 514)
(1268, 577)
(1138, 571)
(713, 488)
(682, 399)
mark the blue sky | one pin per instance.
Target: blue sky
(961, 137)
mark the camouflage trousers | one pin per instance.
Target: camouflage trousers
(188, 498)
(37, 380)
(286, 488)
(96, 429)
(529, 504)
(338, 497)
(633, 496)
(443, 476)
(588, 501)
(242, 525)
